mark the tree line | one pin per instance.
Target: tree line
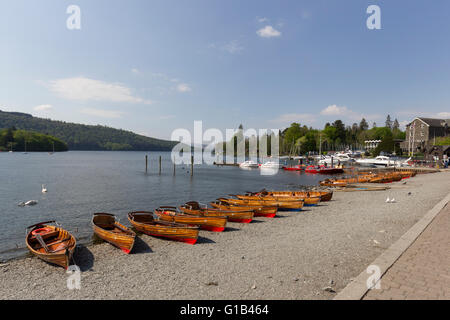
(300, 139)
(12, 139)
(337, 136)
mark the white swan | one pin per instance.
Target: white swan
(392, 200)
(387, 200)
(44, 189)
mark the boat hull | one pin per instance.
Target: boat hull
(281, 204)
(210, 223)
(144, 222)
(242, 216)
(61, 258)
(259, 211)
(107, 228)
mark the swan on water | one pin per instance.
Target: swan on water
(44, 189)
(28, 203)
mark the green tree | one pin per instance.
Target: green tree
(388, 122)
(363, 125)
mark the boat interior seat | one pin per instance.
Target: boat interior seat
(48, 235)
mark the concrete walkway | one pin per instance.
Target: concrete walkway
(423, 270)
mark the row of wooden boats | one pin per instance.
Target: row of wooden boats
(368, 177)
(51, 243)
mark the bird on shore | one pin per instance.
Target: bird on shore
(388, 200)
(44, 189)
(392, 200)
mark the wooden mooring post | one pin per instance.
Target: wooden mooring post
(146, 163)
(174, 168)
(192, 166)
(159, 164)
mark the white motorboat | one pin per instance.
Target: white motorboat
(248, 164)
(270, 165)
(338, 158)
(382, 161)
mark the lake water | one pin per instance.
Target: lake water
(80, 183)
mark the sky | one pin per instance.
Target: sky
(155, 66)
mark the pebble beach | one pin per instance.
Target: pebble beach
(311, 254)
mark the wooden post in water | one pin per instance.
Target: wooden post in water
(174, 168)
(192, 166)
(146, 163)
(159, 164)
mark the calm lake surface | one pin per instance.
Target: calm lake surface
(80, 183)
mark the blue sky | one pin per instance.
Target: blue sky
(154, 66)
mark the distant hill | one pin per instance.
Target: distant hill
(84, 137)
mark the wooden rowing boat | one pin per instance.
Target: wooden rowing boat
(281, 204)
(145, 222)
(210, 223)
(308, 200)
(323, 195)
(107, 228)
(259, 211)
(51, 243)
(241, 216)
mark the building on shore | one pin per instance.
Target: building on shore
(421, 134)
(370, 145)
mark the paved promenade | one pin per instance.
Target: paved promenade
(423, 270)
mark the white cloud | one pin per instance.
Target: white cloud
(183, 87)
(135, 71)
(444, 115)
(103, 113)
(334, 110)
(345, 113)
(85, 89)
(268, 32)
(294, 117)
(261, 20)
(233, 47)
(43, 107)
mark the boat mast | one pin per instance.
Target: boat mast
(320, 143)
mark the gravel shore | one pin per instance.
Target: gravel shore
(294, 256)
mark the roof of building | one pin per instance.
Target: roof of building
(433, 122)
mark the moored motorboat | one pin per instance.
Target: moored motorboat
(293, 168)
(194, 208)
(145, 222)
(323, 170)
(205, 222)
(249, 164)
(51, 243)
(270, 165)
(109, 229)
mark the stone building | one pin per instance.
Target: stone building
(421, 132)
